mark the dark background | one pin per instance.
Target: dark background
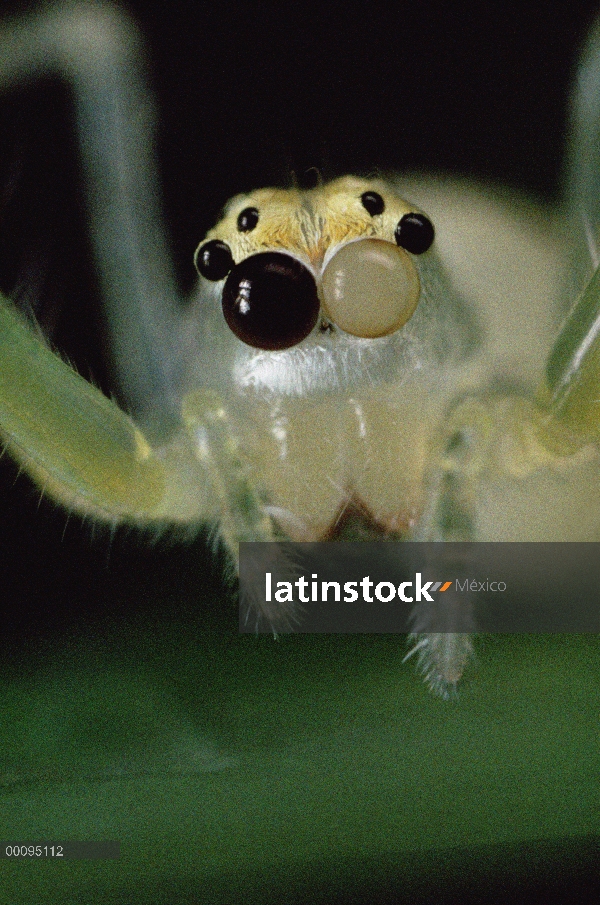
(247, 97)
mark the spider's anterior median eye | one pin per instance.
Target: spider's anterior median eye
(373, 203)
(214, 260)
(270, 301)
(415, 233)
(247, 220)
(370, 288)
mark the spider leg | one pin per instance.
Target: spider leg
(97, 50)
(570, 395)
(78, 446)
(450, 515)
(583, 161)
(242, 510)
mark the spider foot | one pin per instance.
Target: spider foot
(441, 659)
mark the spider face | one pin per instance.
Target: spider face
(343, 254)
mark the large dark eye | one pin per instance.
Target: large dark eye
(415, 233)
(270, 301)
(372, 203)
(214, 260)
(247, 220)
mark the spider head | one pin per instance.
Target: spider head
(337, 257)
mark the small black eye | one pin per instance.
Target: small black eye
(247, 220)
(415, 233)
(270, 301)
(373, 203)
(214, 260)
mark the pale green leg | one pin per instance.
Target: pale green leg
(238, 502)
(571, 392)
(76, 444)
(450, 515)
(237, 496)
(97, 51)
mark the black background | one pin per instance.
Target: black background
(247, 96)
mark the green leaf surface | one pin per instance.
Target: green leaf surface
(232, 765)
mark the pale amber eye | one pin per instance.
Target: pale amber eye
(370, 288)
